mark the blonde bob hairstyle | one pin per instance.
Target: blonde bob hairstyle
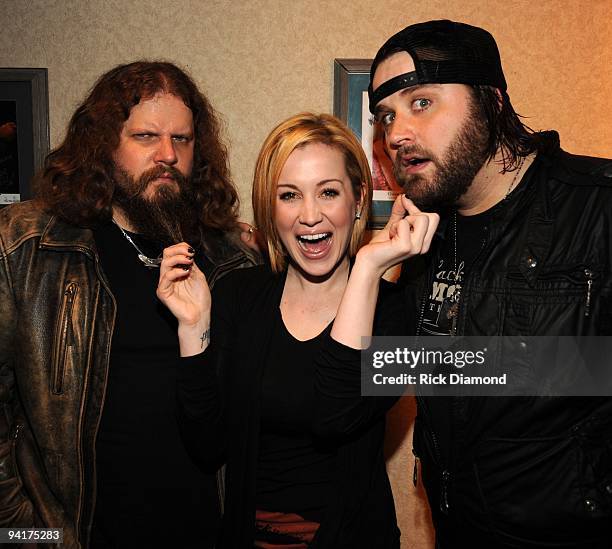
(295, 132)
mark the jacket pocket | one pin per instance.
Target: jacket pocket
(15, 507)
(64, 338)
(534, 490)
(563, 300)
(577, 280)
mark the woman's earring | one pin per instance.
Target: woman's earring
(358, 215)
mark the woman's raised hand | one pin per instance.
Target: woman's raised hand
(183, 289)
(408, 232)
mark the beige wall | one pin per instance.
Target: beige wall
(263, 60)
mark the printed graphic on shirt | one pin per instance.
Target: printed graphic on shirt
(437, 316)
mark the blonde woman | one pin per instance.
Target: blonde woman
(297, 475)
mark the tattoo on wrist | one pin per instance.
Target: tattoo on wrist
(205, 337)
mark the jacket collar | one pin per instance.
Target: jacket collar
(572, 169)
(220, 248)
(59, 234)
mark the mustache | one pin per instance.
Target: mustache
(158, 171)
(415, 149)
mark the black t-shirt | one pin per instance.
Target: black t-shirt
(451, 270)
(150, 493)
(294, 471)
(446, 286)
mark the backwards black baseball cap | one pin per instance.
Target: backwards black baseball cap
(443, 52)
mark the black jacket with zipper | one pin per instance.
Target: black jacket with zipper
(526, 472)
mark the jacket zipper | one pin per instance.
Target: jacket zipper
(65, 336)
(14, 435)
(445, 474)
(445, 477)
(444, 504)
(589, 278)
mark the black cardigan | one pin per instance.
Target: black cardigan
(219, 401)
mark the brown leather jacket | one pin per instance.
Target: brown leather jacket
(57, 316)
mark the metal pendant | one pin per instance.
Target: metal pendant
(453, 311)
(151, 263)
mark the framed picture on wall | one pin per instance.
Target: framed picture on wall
(351, 79)
(24, 130)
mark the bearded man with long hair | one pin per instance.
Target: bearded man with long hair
(524, 250)
(89, 441)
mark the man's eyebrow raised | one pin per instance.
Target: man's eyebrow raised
(381, 106)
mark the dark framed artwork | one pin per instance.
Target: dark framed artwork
(24, 130)
(351, 79)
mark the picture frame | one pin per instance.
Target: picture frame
(24, 130)
(351, 80)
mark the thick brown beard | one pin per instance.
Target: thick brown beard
(169, 216)
(454, 173)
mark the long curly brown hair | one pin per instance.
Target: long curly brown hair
(77, 183)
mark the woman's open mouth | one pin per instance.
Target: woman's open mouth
(314, 245)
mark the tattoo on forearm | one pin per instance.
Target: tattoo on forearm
(205, 337)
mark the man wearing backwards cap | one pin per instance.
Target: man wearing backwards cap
(525, 251)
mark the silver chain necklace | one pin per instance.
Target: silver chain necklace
(518, 171)
(147, 261)
(453, 311)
